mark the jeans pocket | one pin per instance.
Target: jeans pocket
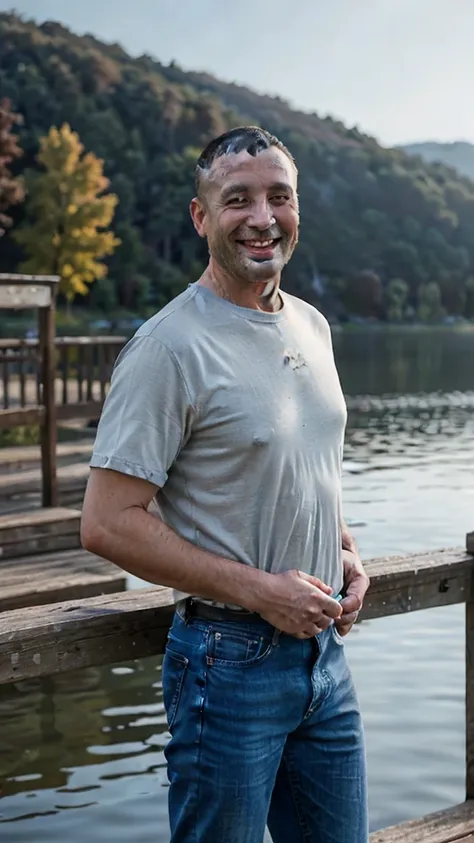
(173, 673)
(336, 635)
(234, 649)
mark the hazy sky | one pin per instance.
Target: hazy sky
(401, 70)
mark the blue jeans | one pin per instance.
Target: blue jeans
(265, 729)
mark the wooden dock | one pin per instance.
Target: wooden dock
(18, 457)
(41, 561)
(53, 577)
(50, 639)
(20, 486)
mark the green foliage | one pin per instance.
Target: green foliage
(396, 293)
(25, 435)
(383, 234)
(430, 308)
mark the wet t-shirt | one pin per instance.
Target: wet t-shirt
(238, 416)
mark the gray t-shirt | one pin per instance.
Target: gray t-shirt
(239, 417)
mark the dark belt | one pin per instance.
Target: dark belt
(198, 609)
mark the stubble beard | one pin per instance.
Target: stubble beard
(244, 269)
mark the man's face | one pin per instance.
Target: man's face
(249, 214)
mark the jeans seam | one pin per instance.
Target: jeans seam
(201, 729)
(197, 782)
(293, 788)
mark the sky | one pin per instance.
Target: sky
(401, 70)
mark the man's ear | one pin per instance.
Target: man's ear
(198, 213)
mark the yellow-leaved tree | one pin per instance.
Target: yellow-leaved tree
(68, 212)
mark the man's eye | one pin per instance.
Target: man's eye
(237, 201)
(279, 199)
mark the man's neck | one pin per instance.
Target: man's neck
(258, 295)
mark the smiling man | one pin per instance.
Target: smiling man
(226, 409)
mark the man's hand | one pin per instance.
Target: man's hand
(356, 583)
(298, 604)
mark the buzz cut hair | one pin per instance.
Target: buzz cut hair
(250, 139)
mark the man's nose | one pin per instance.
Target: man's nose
(261, 216)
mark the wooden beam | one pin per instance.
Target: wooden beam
(48, 429)
(15, 278)
(38, 532)
(18, 456)
(58, 637)
(469, 656)
(79, 410)
(135, 624)
(45, 578)
(72, 478)
(21, 416)
(454, 825)
(16, 297)
(417, 581)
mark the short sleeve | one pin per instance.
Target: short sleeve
(146, 415)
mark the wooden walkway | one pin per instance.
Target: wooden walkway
(456, 825)
(53, 577)
(21, 475)
(18, 457)
(41, 561)
(72, 480)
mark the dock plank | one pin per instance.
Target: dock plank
(52, 578)
(13, 458)
(116, 627)
(39, 531)
(455, 825)
(71, 478)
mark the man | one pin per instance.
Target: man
(226, 408)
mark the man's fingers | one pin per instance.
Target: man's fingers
(351, 603)
(317, 582)
(329, 607)
(310, 632)
(347, 619)
(343, 629)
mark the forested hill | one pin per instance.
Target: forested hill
(459, 154)
(383, 234)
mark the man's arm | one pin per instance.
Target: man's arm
(348, 542)
(116, 525)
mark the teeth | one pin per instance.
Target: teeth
(259, 244)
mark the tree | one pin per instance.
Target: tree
(363, 294)
(469, 312)
(11, 189)
(68, 212)
(430, 308)
(367, 212)
(397, 294)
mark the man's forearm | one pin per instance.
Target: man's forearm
(146, 547)
(347, 540)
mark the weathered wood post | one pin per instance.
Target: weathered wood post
(470, 678)
(48, 428)
(22, 292)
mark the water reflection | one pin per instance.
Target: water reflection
(89, 745)
(405, 361)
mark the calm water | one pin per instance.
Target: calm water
(87, 749)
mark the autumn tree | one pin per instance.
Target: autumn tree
(68, 212)
(11, 189)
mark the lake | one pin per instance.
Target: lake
(86, 750)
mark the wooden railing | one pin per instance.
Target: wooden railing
(96, 631)
(83, 367)
(24, 292)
